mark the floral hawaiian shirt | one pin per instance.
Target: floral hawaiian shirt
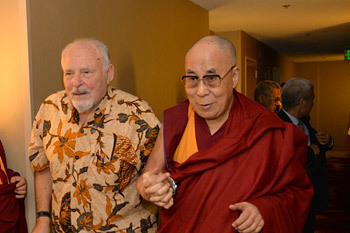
(94, 166)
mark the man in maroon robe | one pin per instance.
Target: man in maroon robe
(13, 189)
(222, 162)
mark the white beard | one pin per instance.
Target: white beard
(83, 105)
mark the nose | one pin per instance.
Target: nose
(77, 81)
(278, 105)
(202, 89)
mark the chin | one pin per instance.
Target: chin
(83, 106)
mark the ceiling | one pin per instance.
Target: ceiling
(303, 30)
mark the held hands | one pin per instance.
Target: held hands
(21, 186)
(250, 220)
(324, 139)
(157, 188)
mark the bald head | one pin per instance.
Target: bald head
(216, 42)
(101, 48)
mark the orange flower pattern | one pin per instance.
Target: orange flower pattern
(94, 165)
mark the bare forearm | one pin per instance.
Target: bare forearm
(43, 189)
(155, 161)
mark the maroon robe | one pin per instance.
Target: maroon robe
(260, 160)
(12, 212)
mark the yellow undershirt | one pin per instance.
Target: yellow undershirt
(188, 144)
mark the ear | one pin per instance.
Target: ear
(301, 101)
(261, 99)
(235, 77)
(110, 73)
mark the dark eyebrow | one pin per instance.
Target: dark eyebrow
(211, 71)
(189, 71)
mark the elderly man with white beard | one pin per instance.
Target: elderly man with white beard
(89, 143)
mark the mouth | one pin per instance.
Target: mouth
(79, 92)
(205, 106)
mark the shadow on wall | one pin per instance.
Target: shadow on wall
(124, 76)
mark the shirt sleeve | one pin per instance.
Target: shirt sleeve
(36, 152)
(151, 130)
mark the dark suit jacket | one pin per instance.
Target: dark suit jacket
(316, 166)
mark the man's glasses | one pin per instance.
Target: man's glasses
(273, 98)
(209, 80)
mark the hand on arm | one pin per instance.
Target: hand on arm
(43, 190)
(250, 219)
(21, 186)
(153, 184)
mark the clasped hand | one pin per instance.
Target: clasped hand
(157, 188)
(21, 186)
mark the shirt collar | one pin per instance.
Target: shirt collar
(294, 120)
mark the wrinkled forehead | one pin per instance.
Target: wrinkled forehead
(83, 52)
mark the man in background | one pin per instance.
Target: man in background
(88, 145)
(297, 100)
(268, 94)
(13, 189)
(222, 161)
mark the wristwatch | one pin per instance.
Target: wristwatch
(173, 185)
(43, 214)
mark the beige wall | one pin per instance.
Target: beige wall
(332, 98)
(15, 117)
(286, 66)
(148, 42)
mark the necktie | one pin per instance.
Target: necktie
(301, 126)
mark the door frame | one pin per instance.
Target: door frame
(246, 58)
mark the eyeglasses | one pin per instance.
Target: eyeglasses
(209, 80)
(273, 98)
